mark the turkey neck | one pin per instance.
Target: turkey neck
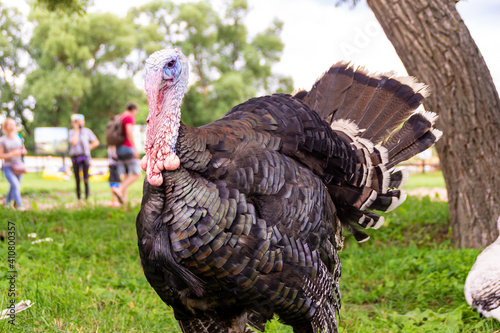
(162, 132)
(164, 119)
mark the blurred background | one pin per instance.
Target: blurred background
(78, 262)
(60, 57)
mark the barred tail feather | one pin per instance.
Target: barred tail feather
(376, 115)
(389, 201)
(358, 97)
(385, 90)
(339, 79)
(398, 179)
(399, 107)
(424, 142)
(416, 126)
(354, 220)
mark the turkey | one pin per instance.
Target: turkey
(241, 219)
(482, 286)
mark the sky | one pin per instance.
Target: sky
(317, 34)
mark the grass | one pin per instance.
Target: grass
(407, 278)
(37, 191)
(429, 179)
(88, 279)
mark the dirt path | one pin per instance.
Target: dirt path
(434, 193)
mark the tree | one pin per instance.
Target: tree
(67, 6)
(228, 65)
(14, 65)
(435, 46)
(84, 63)
(78, 61)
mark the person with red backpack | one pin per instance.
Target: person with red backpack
(119, 132)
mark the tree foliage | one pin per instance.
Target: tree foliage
(66, 6)
(14, 64)
(78, 59)
(84, 62)
(352, 3)
(229, 65)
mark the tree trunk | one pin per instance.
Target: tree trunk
(436, 47)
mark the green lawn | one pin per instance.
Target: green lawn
(36, 190)
(407, 278)
(429, 179)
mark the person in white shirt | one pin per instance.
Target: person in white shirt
(82, 141)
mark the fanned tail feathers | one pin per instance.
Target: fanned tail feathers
(376, 114)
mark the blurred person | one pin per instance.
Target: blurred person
(12, 151)
(114, 178)
(82, 141)
(127, 153)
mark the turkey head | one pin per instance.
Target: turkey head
(167, 73)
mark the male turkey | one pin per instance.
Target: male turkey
(241, 218)
(482, 287)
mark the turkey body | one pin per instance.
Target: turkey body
(242, 219)
(482, 286)
(248, 223)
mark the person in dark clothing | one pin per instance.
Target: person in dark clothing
(82, 141)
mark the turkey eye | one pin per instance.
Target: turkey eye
(171, 64)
